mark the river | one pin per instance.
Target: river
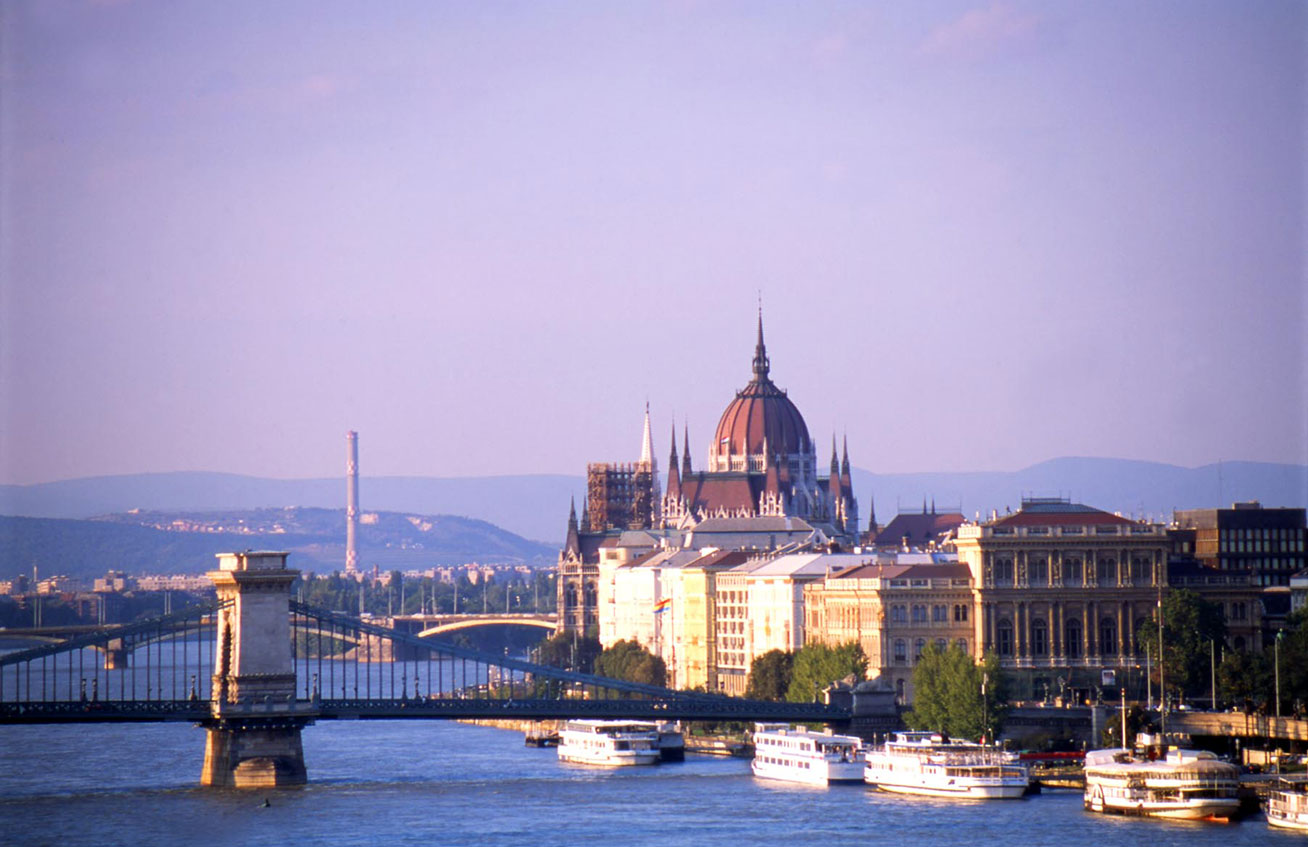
(440, 783)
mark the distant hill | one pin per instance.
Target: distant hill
(186, 542)
(532, 506)
(1136, 489)
(536, 507)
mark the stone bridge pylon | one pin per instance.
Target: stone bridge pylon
(254, 729)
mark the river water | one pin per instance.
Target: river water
(441, 783)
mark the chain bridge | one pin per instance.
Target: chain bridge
(254, 667)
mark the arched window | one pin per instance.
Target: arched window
(962, 644)
(901, 651)
(898, 614)
(918, 646)
(1072, 571)
(919, 613)
(1039, 638)
(1072, 638)
(1003, 571)
(1039, 575)
(1107, 636)
(960, 613)
(1004, 635)
(942, 644)
(1106, 570)
(1139, 570)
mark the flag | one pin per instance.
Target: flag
(662, 605)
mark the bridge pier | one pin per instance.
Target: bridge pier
(116, 655)
(254, 732)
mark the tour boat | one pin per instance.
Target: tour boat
(610, 743)
(1161, 781)
(799, 755)
(927, 763)
(1287, 804)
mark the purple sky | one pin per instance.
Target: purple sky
(986, 233)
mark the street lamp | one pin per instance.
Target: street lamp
(1276, 653)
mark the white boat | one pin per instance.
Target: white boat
(1161, 781)
(609, 743)
(1287, 805)
(799, 755)
(926, 763)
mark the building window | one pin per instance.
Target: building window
(1107, 571)
(960, 613)
(901, 651)
(1072, 571)
(1004, 635)
(1139, 570)
(918, 646)
(1003, 571)
(899, 614)
(1039, 638)
(1039, 572)
(942, 644)
(919, 613)
(940, 614)
(1107, 636)
(962, 644)
(1072, 638)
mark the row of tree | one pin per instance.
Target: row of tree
(1199, 666)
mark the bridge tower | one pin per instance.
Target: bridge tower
(254, 730)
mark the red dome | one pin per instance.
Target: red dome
(761, 414)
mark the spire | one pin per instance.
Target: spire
(924, 511)
(844, 461)
(674, 478)
(761, 364)
(685, 452)
(933, 505)
(872, 516)
(647, 443)
(573, 543)
(835, 463)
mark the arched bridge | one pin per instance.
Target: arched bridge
(425, 626)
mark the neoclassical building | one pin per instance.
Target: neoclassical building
(1060, 589)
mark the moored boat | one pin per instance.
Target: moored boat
(928, 764)
(799, 755)
(1287, 804)
(610, 743)
(1156, 780)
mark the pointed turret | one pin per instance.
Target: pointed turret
(761, 364)
(573, 544)
(846, 479)
(871, 518)
(674, 475)
(585, 518)
(685, 453)
(647, 441)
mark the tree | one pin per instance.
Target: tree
(769, 675)
(1245, 678)
(1191, 626)
(816, 666)
(947, 693)
(629, 661)
(569, 652)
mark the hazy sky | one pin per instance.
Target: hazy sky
(484, 234)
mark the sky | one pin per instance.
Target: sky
(485, 235)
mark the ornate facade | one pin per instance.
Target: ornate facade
(762, 464)
(1061, 590)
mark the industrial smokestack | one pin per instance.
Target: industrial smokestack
(351, 502)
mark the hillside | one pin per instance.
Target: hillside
(536, 507)
(186, 542)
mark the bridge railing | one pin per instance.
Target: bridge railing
(162, 659)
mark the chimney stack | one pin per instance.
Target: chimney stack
(351, 502)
